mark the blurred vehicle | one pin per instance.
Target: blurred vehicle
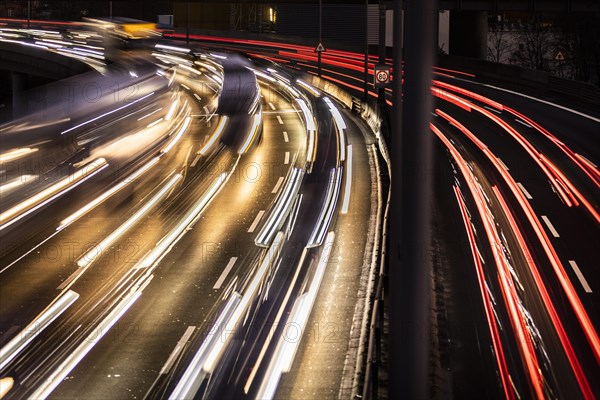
(125, 32)
(239, 100)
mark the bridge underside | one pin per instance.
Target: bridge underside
(583, 6)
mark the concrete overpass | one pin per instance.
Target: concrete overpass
(24, 67)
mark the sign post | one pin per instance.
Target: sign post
(381, 76)
(560, 57)
(319, 49)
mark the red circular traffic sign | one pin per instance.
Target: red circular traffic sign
(382, 76)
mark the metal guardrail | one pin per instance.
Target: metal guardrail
(376, 329)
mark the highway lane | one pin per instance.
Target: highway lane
(257, 349)
(60, 250)
(553, 112)
(464, 335)
(243, 363)
(62, 148)
(32, 274)
(44, 268)
(320, 362)
(543, 322)
(185, 293)
(500, 288)
(545, 200)
(285, 135)
(106, 221)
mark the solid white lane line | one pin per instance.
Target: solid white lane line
(286, 138)
(550, 226)
(279, 120)
(347, 188)
(523, 123)
(525, 192)
(287, 158)
(256, 221)
(225, 272)
(171, 360)
(540, 100)
(272, 106)
(277, 185)
(582, 279)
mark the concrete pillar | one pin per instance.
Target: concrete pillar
(468, 34)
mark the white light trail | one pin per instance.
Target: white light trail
(97, 250)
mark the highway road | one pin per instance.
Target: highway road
(532, 178)
(235, 211)
(118, 273)
(533, 159)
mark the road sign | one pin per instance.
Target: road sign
(559, 56)
(320, 48)
(382, 76)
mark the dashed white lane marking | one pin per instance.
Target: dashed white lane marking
(280, 111)
(550, 226)
(197, 97)
(523, 123)
(287, 158)
(178, 348)
(225, 272)
(279, 120)
(185, 86)
(256, 221)
(277, 185)
(272, 106)
(285, 137)
(75, 275)
(493, 109)
(193, 164)
(502, 162)
(588, 160)
(525, 192)
(580, 276)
